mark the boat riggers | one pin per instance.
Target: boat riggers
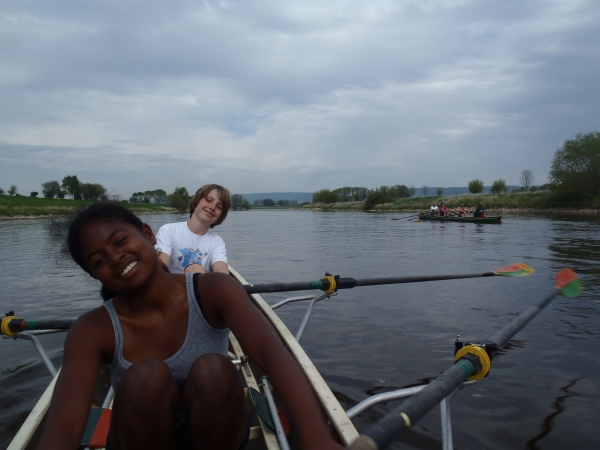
(331, 283)
(472, 363)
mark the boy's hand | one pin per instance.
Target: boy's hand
(194, 268)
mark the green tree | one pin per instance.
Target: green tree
(237, 201)
(34, 194)
(183, 192)
(175, 201)
(476, 186)
(246, 204)
(71, 185)
(92, 191)
(439, 191)
(498, 186)
(137, 197)
(402, 191)
(326, 196)
(378, 197)
(12, 190)
(51, 189)
(1, 191)
(268, 202)
(575, 170)
(257, 202)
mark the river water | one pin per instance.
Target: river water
(542, 393)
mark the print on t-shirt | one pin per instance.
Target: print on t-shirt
(190, 256)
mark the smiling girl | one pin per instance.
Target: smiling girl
(164, 338)
(190, 247)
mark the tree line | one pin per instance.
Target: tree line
(72, 187)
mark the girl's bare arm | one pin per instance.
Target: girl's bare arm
(73, 393)
(229, 305)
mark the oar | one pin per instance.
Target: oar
(412, 217)
(333, 283)
(12, 324)
(471, 362)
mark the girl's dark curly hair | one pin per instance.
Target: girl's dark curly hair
(107, 212)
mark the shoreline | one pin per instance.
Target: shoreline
(495, 211)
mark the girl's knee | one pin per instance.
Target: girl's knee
(149, 379)
(213, 378)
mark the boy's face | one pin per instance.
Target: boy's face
(209, 208)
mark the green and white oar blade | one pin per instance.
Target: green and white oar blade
(515, 270)
(567, 283)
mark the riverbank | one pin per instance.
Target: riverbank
(494, 204)
(19, 207)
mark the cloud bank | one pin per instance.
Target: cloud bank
(292, 96)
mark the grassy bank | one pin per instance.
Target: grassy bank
(20, 206)
(517, 202)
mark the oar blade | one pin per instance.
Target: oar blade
(567, 283)
(515, 270)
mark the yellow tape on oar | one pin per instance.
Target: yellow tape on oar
(483, 358)
(515, 270)
(4, 326)
(332, 285)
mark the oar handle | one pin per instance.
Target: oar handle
(10, 325)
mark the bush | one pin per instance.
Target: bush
(439, 191)
(499, 187)
(476, 186)
(177, 202)
(268, 202)
(51, 189)
(12, 190)
(378, 197)
(34, 194)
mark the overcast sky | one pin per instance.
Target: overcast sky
(292, 96)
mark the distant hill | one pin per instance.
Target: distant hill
(275, 196)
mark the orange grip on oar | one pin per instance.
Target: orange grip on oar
(515, 270)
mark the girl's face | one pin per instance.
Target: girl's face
(209, 208)
(118, 254)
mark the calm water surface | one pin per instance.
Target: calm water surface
(543, 393)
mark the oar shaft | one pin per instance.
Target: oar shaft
(384, 432)
(349, 283)
(519, 322)
(417, 279)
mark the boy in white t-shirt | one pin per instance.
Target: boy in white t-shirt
(189, 247)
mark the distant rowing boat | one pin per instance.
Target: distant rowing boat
(491, 219)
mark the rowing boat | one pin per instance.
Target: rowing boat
(491, 219)
(261, 434)
(472, 362)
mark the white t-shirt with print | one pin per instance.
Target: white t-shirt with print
(185, 248)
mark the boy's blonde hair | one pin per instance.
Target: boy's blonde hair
(224, 197)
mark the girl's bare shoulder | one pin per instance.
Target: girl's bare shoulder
(95, 329)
